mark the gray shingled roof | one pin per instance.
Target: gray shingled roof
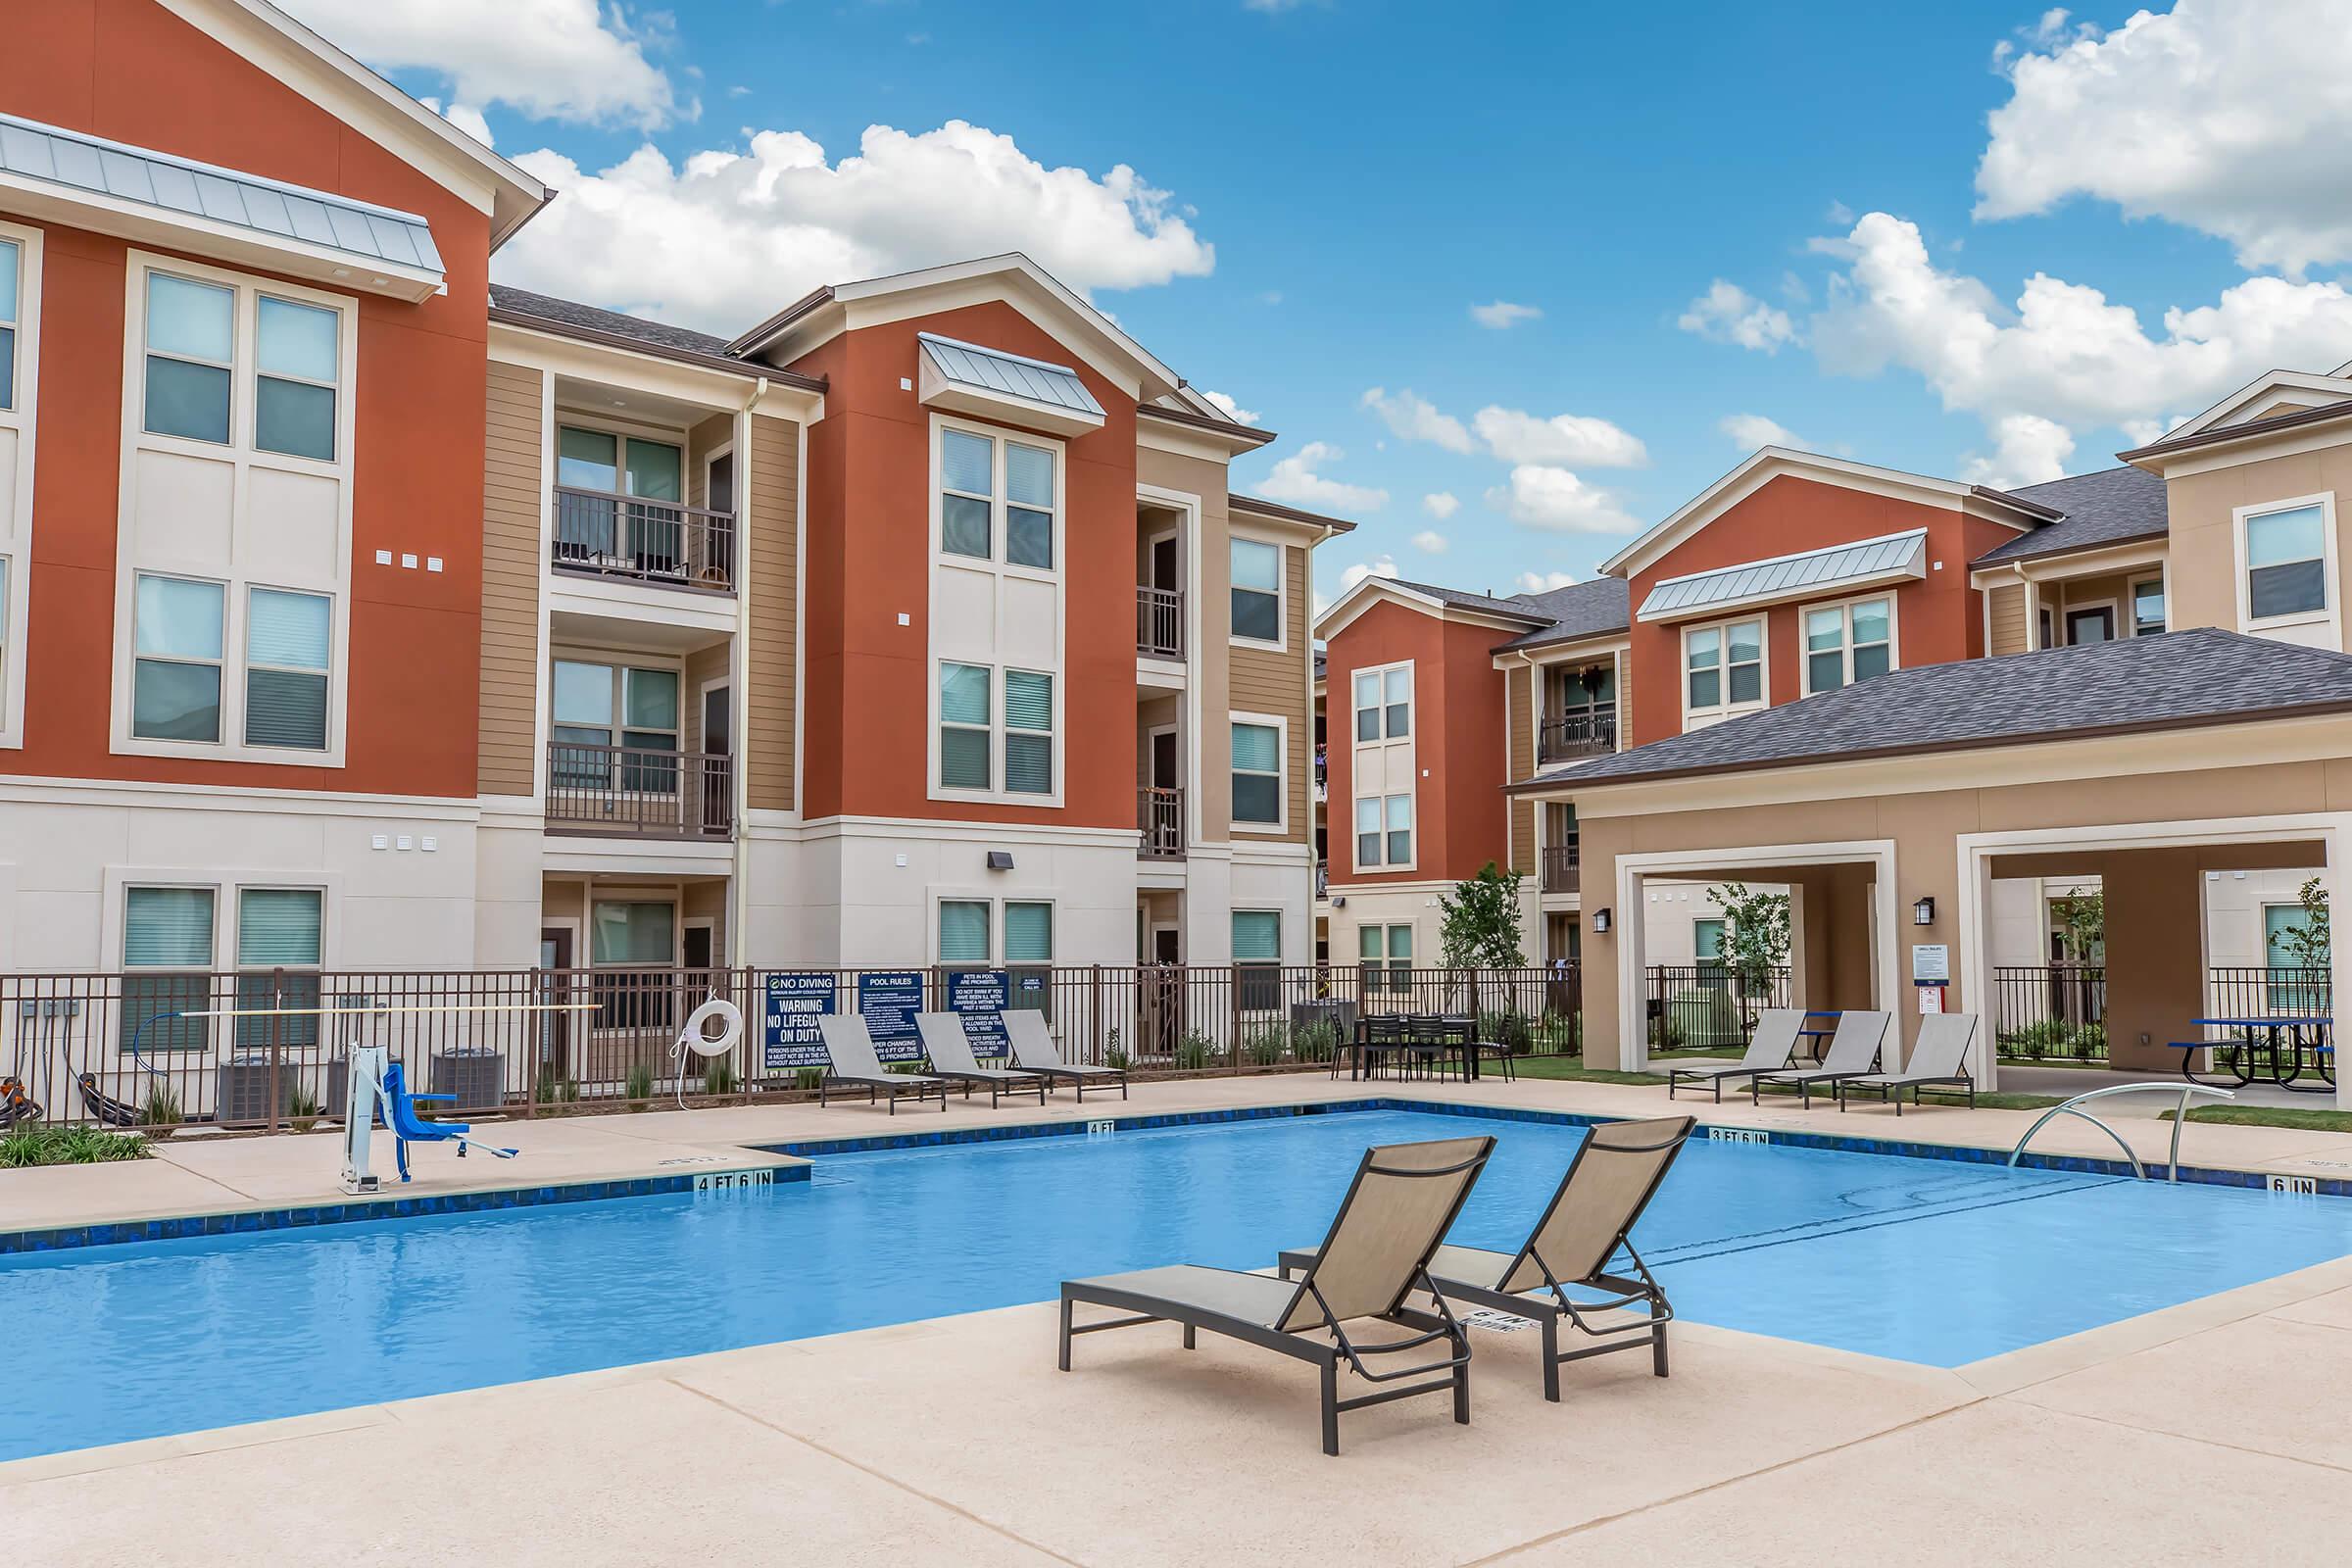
(2199, 677)
(169, 184)
(570, 313)
(1589, 608)
(2110, 507)
(993, 371)
(1826, 570)
(1513, 605)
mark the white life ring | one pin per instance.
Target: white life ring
(696, 1034)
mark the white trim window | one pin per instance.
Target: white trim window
(166, 968)
(12, 313)
(178, 644)
(281, 939)
(288, 641)
(1256, 938)
(1029, 750)
(1257, 757)
(1848, 642)
(2147, 606)
(1384, 703)
(594, 706)
(1257, 593)
(999, 491)
(1723, 670)
(1385, 950)
(1384, 831)
(20, 364)
(1028, 931)
(967, 932)
(2286, 553)
(967, 741)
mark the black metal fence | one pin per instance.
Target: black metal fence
(267, 1050)
(2050, 1012)
(2274, 991)
(1705, 1006)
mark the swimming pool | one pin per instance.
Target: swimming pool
(1927, 1260)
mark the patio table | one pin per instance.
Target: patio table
(2304, 1034)
(1453, 1036)
(1805, 1031)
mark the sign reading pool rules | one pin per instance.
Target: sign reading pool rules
(981, 995)
(1931, 972)
(789, 1033)
(889, 1000)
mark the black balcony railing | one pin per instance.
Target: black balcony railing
(650, 541)
(1589, 733)
(1159, 813)
(629, 790)
(1160, 622)
(1561, 864)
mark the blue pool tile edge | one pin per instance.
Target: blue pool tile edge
(358, 1210)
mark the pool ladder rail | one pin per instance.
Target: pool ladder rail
(2171, 1170)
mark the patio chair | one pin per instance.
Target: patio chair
(1853, 1053)
(1397, 1212)
(1615, 1173)
(852, 1062)
(1033, 1051)
(1769, 1049)
(950, 1052)
(1940, 1061)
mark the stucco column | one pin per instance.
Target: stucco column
(2155, 954)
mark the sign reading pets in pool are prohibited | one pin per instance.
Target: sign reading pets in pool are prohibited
(788, 1018)
(980, 994)
(888, 999)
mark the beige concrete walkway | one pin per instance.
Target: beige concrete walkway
(2214, 1430)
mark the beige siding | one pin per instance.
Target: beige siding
(771, 532)
(1627, 740)
(2203, 535)
(2007, 611)
(1210, 663)
(702, 666)
(513, 494)
(1266, 682)
(1518, 687)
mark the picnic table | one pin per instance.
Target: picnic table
(2277, 1050)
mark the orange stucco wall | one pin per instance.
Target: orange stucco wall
(1937, 618)
(1459, 713)
(129, 71)
(870, 560)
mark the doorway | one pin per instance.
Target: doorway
(555, 987)
(718, 745)
(717, 567)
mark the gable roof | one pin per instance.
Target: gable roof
(2111, 506)
(590, 323)
(2251, 429)
(2266, 389)
(1274, 509)
(2170, 680)
(1594, 608)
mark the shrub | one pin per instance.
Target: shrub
(809, 1078)
(718, 1077)
(1195, 1050)
(2042, 1037)
(640, 1085)
(68, 1146)
(556, 1091)
(162, 1110)
(1315, 1042)
(302, 1107)
(2089, 1042)
(1265, 1045)
(1114, 1053)
(1508, 1029)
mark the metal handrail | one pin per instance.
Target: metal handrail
(2171, 1170)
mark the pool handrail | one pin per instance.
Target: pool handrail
(2171, 1170)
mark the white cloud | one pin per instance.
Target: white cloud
(570, 60)
(1543, 582)
(1414, 418)
(1440, 504)
(1515, 436)
(1544, 497)
(2027, 449)
(1230, 409)
(1296, 481)
(1748, 431)
(1729, 314)
(1379, 567)
(464, 117)
(722, 239)
(2064, 353)
(1503, 315)
(1430, 542)
(2228, 117)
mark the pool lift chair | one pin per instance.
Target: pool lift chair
(378, 1084)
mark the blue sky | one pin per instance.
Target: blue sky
(1366, 172)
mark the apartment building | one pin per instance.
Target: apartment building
(360, 612)
(1807, 626)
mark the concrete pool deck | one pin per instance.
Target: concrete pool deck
(2214, 1430)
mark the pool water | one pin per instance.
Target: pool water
(1925, 1260)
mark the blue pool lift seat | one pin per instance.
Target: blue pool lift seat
(400, 1114)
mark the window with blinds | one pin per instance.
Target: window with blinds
(166, 930)
(1257, 959)
(286, 640)
(963, 730)
(1258, 775)
(12, 269)
(1029, 955)
(963, 931)
(1028, 733)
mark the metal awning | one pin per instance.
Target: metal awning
(997, 385)
(1811, 573)
(145, 195)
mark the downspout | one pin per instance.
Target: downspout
(739, 903)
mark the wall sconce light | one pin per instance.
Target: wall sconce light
(1924, 912)
(1000, 860)
(1600, 922)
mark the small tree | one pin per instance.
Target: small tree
(2308, 945)
(2082, 922)
(1755, 941)
(1479, 925)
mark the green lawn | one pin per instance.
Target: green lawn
(2294, 1116)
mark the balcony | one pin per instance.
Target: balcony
(1561, 864)
(1592, 732)
(637, 540)
(1322, 879)
(624, 792)
(1160, 622)
(1159, 815)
